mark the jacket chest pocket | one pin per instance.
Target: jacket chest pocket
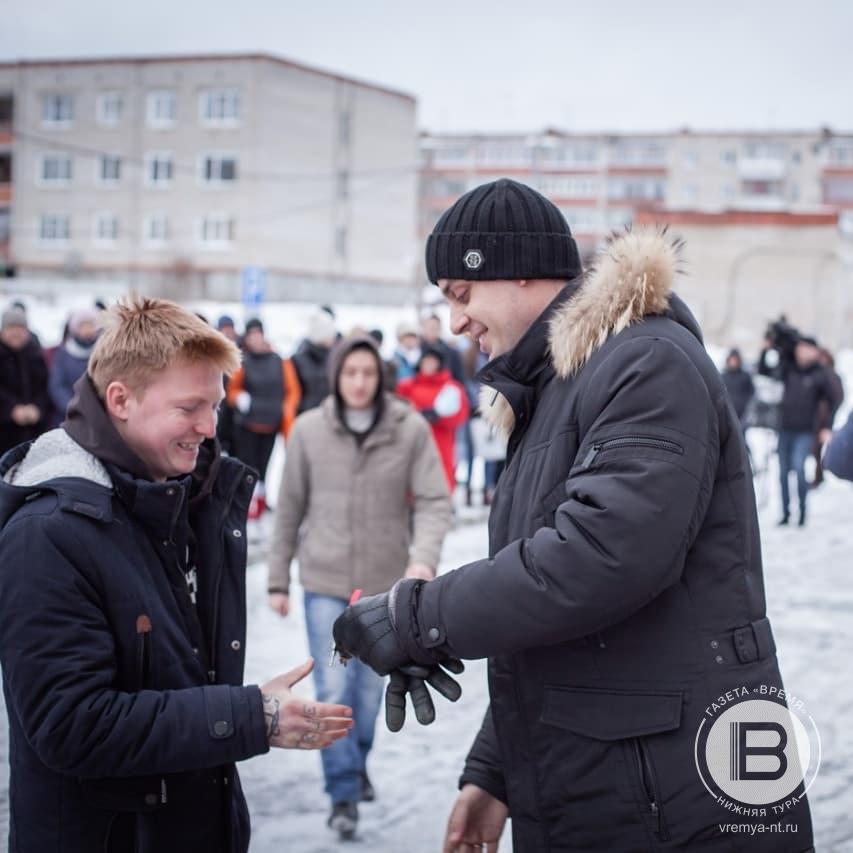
(542, 477)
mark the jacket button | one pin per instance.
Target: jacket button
(170, 491)
(220, 728)
(237, 533)
(150, 799)
(434, 634)
(715, 644)
(250, 479)
(235, 644)
(719, 659)
(165, 543)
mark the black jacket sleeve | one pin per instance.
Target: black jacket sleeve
(59, 664)
(483, 765)
(619, 539)
(839, 452)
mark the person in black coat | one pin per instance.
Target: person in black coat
(312, 358)
(738, 384)
(807, 387)
(123, 612)
(623, 593)
(24, 400)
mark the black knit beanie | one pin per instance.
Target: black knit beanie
(502, 230)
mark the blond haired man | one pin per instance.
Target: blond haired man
(122, 607)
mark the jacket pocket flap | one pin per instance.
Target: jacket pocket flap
(610, 714)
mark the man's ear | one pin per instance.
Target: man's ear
(117, 400)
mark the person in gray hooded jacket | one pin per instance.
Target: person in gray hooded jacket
(363, 502)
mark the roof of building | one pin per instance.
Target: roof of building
(203, 57)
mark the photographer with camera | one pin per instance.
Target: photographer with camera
(794, 359)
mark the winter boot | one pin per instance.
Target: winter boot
(368, 792)
(783, 522)
(802, 521)
(344, 819)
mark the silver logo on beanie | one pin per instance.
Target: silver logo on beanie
(473, 259)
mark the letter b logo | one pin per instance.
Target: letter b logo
(744, 748)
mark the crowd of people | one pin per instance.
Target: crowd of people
(800, 405)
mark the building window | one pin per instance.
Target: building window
(156, 230)
(55, 169)
(762, 188)
(57, 110)
(162, 108)
(219, 169)
(109, 169)
(5, 224)
(765, 150)
(54, 228)
(341, 241)
(160, 169)
(841, 154)
(106, 228)
(217, 230)
(728, 156)
(109, 108)
(728, 192)
(220, 106)
(689, 193)
(691, 159)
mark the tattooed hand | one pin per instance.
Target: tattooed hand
(294, 723)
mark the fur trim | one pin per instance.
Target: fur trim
(496, 411)
(632, 278)
(55, 454)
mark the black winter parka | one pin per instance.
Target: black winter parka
(125, 702)
(624, 591)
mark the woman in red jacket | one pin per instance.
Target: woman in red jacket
(442, 401)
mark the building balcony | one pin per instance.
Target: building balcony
(761, 168)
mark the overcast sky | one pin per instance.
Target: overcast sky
(480, 65)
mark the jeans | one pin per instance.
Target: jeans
(794, 449)
(355, 685)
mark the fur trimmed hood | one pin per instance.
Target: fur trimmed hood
(632, 277)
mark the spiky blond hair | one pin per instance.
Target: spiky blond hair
(144, 336)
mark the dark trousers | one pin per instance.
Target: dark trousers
(254, 449)
(794, 449)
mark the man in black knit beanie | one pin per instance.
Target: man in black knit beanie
(622, 594)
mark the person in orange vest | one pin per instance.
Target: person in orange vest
(442, 401)
(264, 394)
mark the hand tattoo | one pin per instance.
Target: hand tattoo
(271, 713)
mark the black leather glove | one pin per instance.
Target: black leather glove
(367, 630)
(413, 679)
(431, 415)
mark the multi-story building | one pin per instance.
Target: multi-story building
(178, 173)
(600, 181)
(769, 215)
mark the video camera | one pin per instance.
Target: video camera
(782, 336)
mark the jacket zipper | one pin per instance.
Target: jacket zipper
(631, 441)
(214, 622)
(649, 786)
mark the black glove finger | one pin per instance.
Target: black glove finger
(421, 700)
(453, 665)
(444, 684)
(416, 670)
(395, 701)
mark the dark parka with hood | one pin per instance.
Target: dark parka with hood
(623, 593)
(125, 702)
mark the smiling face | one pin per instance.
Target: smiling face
(496, 314)
(165, 423)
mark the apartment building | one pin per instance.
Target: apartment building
(601, 180)
(769, 207)
(178, 173)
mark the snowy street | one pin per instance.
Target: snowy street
(810, 602)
